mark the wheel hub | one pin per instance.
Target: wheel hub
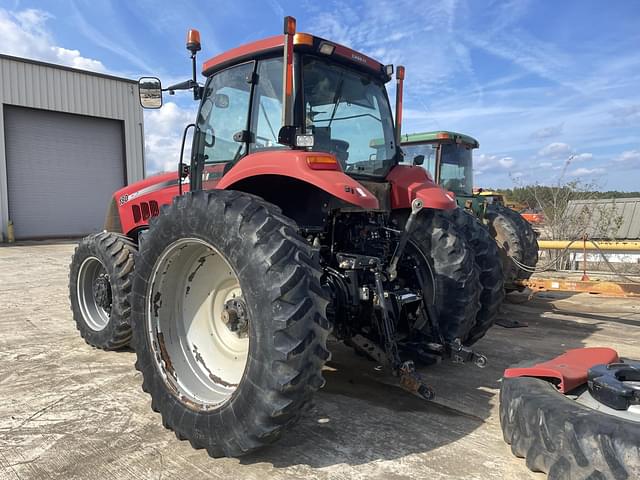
(234, 316)
(102, 292)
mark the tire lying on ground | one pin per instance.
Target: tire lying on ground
(516, 239)
(447, 260)
(564, 438)
(487, 259)
(229, 321)
(100, 279)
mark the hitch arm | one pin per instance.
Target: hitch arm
(392, 269)
(410, 380)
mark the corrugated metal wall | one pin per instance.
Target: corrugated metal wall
(33, 84)
(609, 219)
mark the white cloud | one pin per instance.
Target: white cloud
(629, 156)
(163, 135)
(555, 150)
(581, 172)
(582, 157)
(506, 162)
(24, 34)
(548, 132)
(626, 114)
(545, 164)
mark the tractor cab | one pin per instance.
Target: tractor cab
(317, 97)
(447, 156)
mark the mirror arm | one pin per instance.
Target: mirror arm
(186, 85)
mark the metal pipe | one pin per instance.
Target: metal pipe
(585, 277)
(399, 94)
(619, 246)
(287, 72)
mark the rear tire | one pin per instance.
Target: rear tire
(487, 259)
(455, 276)
(228, 411)
(564, 438)
(516, 239)
(100, 278)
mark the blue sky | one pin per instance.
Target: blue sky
(537, 83)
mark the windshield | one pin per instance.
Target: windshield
(456, 172)
(426, 149)
(349, 115)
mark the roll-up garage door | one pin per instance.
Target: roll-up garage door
(61, 171)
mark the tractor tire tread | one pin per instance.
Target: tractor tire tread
(117, 253)
(291, 306)
(559, 436)
(487, 259)
(457, 284)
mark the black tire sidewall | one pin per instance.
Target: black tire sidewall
(116, 254)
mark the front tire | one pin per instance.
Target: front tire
(100, 277)
(254, 368)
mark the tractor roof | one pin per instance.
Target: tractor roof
(440, 136)
(301, 41)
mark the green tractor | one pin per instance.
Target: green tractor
(447, 156)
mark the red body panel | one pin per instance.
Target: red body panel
(293, 163)
(140, 201)
(131, 199)
(258, 47)
(247, 50)
(570, 368)
(408, 183)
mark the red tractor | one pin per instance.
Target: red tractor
(289, 222)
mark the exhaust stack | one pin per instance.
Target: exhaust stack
(399, 92)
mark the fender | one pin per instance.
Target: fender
(410, 182)
(570, 370)
(293, 163)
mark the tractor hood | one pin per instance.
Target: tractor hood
(148, 185)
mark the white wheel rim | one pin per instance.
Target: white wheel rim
(200, 357)
(93, 314)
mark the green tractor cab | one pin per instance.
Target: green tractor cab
(448, 158)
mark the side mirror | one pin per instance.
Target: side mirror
(221, 101)
(150, 91)
(418, 160)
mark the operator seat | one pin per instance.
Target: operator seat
(324, 142)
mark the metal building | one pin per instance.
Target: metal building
(608, 218)
(68, 139)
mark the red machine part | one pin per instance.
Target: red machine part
(533, 217)
(304, 166)
(409, 182)
(570, 368)
(250, 50)
(142, 200)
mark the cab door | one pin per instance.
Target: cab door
(222, 125)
